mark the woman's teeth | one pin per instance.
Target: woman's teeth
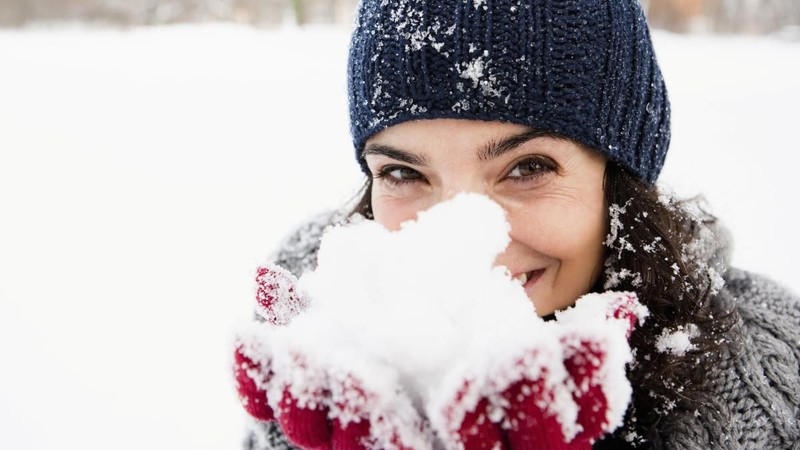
(522, 279)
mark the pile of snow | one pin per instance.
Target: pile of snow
(418, 298)
(425, 308)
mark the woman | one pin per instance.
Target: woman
(558, 112)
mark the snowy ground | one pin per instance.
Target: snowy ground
(144, 174)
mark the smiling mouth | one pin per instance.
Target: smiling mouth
(528, 279)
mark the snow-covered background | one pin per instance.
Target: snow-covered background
(145, 173)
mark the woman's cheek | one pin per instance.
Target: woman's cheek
(391, 211)
(532, 223)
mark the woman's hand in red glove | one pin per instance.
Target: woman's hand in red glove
(564, 392)
(277, 303)
(319, 403)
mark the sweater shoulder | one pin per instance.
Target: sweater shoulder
(754, 388)
(761, 380)
(764, 303)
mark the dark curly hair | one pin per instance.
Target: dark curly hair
(658, 247)
(665, 250)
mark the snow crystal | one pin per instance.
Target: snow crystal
(615, 239)
(461, 105)
(418, 38)
(615, 277)
(476, 71)
(666, 197)
(488, 87)
(651, 247)
(473, 70)
(678, 341)
(717, 281)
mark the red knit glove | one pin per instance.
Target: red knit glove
(318, 405)
(565, 392)
(277, 302)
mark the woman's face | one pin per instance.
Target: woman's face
(550, 188)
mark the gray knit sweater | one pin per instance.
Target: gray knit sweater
(758, 385)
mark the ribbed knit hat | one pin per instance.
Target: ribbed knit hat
(583, 69)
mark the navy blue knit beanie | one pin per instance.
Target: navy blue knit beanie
(583, 69)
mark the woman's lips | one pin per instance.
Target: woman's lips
(533, 277)
(528, 279)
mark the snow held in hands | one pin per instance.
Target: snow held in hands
(414, 339)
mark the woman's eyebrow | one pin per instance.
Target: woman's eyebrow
(495, 149)
(395, 153)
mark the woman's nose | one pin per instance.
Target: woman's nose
(454, 189)
(448, 194)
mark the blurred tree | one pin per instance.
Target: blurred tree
(298, 11)
(753, 16)
(674, 15)
(14, 12)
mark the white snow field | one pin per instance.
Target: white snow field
(145, 173)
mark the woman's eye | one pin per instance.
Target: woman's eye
(531, 168)
(399, 174)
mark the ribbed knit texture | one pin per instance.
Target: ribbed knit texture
(758, 387)
(584, 69)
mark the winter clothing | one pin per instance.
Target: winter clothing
(757, 387)
(585, 70)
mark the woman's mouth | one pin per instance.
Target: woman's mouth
(528, 279)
